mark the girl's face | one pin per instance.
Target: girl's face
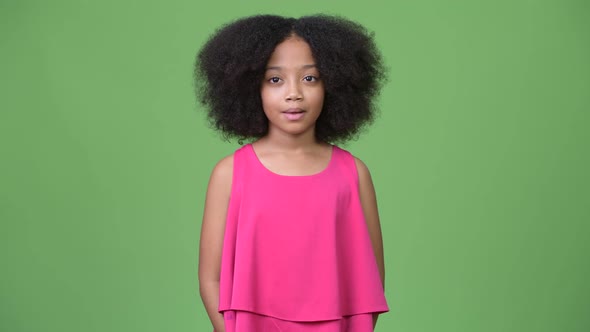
(292, 91)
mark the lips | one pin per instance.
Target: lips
(294, 113)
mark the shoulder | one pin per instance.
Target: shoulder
(222, 173)
(225, 164)
(360, 166)
(363, 171)
(355, 164)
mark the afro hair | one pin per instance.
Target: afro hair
(230, 67)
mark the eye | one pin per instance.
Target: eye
(310, 78)
(274, 79)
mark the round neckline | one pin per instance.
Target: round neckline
(330, 162)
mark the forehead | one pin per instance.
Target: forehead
(292, 52)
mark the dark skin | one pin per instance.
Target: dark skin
(289, 148)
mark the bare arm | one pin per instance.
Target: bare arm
(211, 242)
(369, 204)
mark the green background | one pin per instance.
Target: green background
(480, 159)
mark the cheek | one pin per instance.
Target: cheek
(269, 95)
(268, 101)
(264, 98)
(318, 98)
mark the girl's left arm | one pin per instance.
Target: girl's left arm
(369, 204)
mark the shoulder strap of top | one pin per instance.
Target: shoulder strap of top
(346, 162)
(240, 165)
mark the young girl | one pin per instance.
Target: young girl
(290, 239)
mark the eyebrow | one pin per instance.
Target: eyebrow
(302, 67)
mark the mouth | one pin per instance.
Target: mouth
(294, 113)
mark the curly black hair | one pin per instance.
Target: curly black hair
(230, 67)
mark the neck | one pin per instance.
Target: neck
(290, 142)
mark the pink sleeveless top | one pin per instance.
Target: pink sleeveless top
(297, 247)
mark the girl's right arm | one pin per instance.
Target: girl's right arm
(211, 242)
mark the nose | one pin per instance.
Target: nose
(294, 92)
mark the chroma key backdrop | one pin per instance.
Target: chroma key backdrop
(480, 158)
